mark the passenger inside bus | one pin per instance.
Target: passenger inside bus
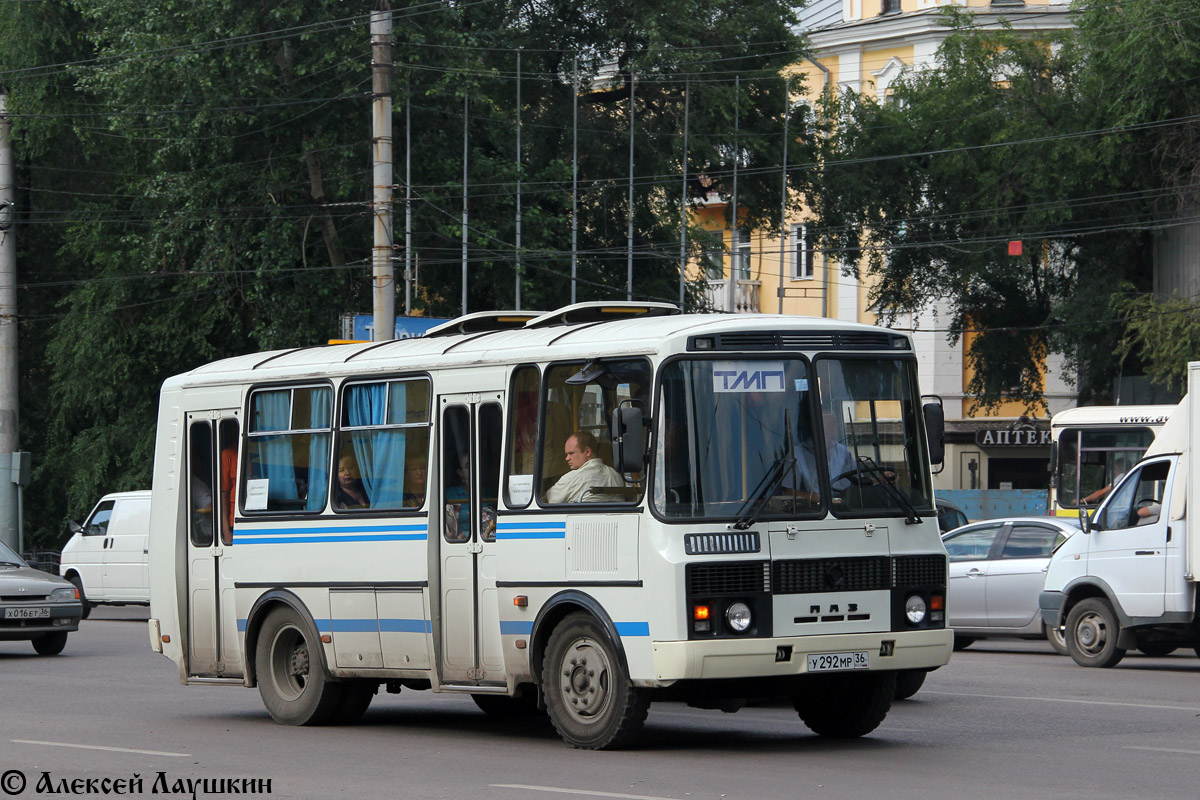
(414, 481)
(457, 498)
(350, 491)
(588, 472)
(1120, 467)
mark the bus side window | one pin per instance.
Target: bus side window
(289, 446)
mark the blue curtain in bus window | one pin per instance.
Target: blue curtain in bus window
(272, 412)
(318, 450)
(380, 453)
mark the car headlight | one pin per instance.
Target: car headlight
(63, 594)
(914, 609)
(738, 617)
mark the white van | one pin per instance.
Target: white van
(106, 557)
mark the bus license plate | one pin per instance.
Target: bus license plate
(26, 613)
(832, 662)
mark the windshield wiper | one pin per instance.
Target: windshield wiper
(9, 564)
(749, 512)
(885, 480)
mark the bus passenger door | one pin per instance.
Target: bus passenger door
(210, 489)
(469, 462)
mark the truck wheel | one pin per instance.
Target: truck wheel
(591, 700)
(908, 683)
(1092, 631)
(1056, 638)
(290, 678)
(50, 644)
(87, 607)
(846, 705)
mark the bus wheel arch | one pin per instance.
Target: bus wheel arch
(262, 607)
(558, 608)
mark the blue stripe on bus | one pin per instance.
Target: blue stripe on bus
(376, 537)
(531, 530)
(357, 533)
(516, 628)
(633, 628)
(405, 626)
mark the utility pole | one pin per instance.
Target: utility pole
(383, 272)
(10, 524)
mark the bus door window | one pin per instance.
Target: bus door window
(200, 483)
(491, 426)
(227, 432)
(522, 443)
(456, 473)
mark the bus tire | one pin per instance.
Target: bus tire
(589, 695)
(846, 705)
(908, 683)
(356, 699)
(502, 706)
(1092, 634)
(291, 680)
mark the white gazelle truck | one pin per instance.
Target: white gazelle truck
(1130, 582)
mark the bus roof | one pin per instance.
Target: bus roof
(621, 335)
(1086, 416)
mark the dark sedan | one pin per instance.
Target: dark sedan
(36, 606)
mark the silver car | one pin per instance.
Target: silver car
(997, 568)
(36, 606)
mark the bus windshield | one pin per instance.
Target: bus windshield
(796, 438)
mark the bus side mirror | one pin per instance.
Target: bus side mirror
(935, 431)
(629, 439)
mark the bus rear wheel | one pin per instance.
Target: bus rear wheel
(291, 680)
(846, 705)
(589, 695)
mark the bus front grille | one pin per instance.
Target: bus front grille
(741, 577)
(801, 576)
(914, 571)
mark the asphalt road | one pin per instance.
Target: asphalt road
(1003, 720)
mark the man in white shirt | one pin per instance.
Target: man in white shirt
(587, 472)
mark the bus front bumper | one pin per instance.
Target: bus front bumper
(740, 658)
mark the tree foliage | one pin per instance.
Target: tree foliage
(196, 180)
(1007, 139)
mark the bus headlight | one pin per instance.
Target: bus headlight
(914, 609)
(738, 617)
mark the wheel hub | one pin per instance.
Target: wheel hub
(1090, 633)
(585, 681)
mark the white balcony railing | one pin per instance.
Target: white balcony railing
(745, 296)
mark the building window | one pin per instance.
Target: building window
(712, 254)
(890, 7)
(802, 254)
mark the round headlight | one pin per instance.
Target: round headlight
(738, 616)
(65, 593)
(914, 609)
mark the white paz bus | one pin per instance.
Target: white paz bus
(576, 512)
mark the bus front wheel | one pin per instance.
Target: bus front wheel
(290, 677)
(589, 696)
(843, 705)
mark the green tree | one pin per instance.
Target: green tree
(1012, 138)
(209, 194)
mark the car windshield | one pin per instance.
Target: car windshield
(10, 558)
(782, 437)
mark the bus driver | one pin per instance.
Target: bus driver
(587, 473)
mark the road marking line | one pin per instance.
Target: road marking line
(1163, 750)
(1064, 700)
(587, 792)
(101, 747)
